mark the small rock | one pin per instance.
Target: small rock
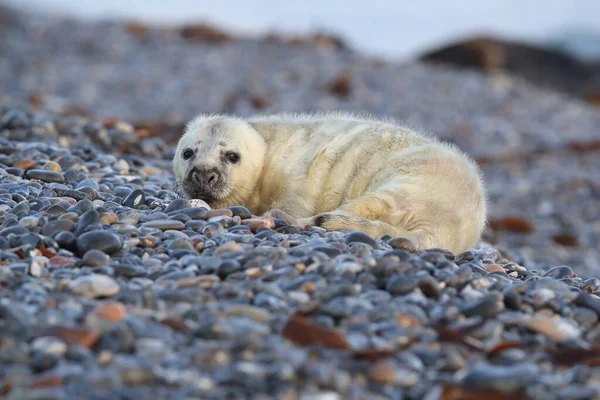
(94, 286)
(135, 198)
(165, 224)
(557, 328)
(111, 311)
(402, 243)
(45, 176)
(105, 241)
(361, 238)
(96, 258)
(52, 166)
(505, 379)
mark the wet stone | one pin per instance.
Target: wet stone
(135, 198)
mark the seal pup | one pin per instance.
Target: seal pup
(337, 171)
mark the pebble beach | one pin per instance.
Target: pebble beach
(112, 287)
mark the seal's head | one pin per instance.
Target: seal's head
(219, 160)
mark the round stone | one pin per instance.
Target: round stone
(177, 204)
(401, 243)
(105, 241)
(560, 272)
(94, 286)
(52, 166)
(60, 225)
(402, 284)
(361, 238)
(96, 258)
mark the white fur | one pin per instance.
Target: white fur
(353, 172)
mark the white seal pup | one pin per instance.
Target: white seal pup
(336, 171)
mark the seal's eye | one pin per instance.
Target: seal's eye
(187, 154)
(232, 157)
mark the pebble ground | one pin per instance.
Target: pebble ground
(540, 151)
(113, 288)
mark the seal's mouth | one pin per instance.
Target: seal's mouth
(205, 184)
(184, 189)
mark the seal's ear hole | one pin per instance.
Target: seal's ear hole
(187, 154)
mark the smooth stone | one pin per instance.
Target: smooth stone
(164, 224)
(45, 176)
(240, 211)
(588, 301)
(558, 329)
(402, 243)
(135, 198)
(430, 287)
(14, 230)
(177, 204)
(361, 238)
(180, 244)
(49, 344)
(94, 286)
(504, 379)
(66, 240)
(585, 317)
(96, 258)
(219, 212)
(103, 240)
(60, 225)
(488, 307)
(402, 284)
(130, 217)
(52, 166)
(560, 272)
(175, 275)
(88, 218)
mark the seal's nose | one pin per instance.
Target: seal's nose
(205, 178)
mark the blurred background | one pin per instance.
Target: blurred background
(385, 28)
(516, 84)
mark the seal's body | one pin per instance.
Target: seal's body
(336, 171)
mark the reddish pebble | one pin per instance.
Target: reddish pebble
(82, 336)
(46, 382)
(62, 261)
(24, 164)
(218, 213)
(494, 268)
(112, 311)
